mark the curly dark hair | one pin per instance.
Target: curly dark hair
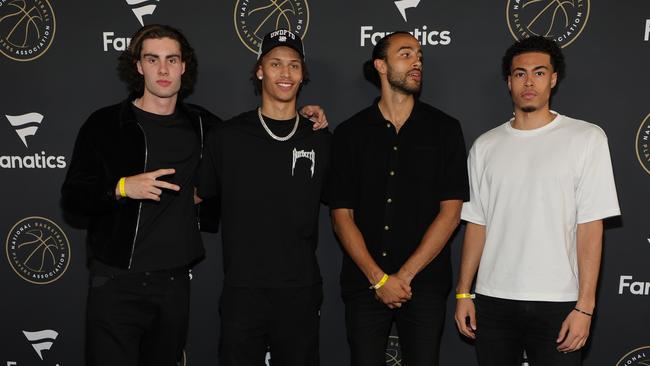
(535, 44)
(379, 52)
(257, 83)
(128, 70)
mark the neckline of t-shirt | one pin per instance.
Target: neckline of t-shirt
(551, 125)
(156, 117)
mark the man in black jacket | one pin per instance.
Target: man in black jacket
(133, 174)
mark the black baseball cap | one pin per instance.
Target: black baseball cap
(281, 37)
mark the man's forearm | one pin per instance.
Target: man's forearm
(434, 239)
(589, 248)
(354, 244)
(470, 259)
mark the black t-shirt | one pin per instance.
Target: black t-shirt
(270, 195)
(168, 235)
(394, 182)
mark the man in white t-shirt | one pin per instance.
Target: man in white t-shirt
(540, 185)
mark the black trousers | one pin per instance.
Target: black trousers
(419, 325)
(505, 328)
(137, 319)
(284, 321)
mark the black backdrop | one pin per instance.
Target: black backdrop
(58, 65)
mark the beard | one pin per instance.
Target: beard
(399, 82)
(528, 109)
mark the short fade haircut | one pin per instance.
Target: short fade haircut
(535, 44)
(127, 62)
(379, 52)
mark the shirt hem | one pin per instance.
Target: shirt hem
(529, 296)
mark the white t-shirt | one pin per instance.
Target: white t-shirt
(530, 188)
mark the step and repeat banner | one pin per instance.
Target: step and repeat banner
(58, 64)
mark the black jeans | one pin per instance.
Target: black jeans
(282, 320)
(419, 325)
(137, 319)
(505, 328)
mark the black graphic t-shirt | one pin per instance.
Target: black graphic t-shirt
(270, 194)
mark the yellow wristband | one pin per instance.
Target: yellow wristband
(120, 185)
(381, 282)
(465, 296)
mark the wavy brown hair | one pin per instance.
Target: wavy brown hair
(127, 62)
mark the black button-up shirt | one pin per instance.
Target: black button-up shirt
(394, 182)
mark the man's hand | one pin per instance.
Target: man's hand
(394, 292)
(315, 114)
(465, 309)
(145, 186)
(574, 332)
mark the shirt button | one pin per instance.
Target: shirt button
(383, 254)
(395, 148)
(392, 172)
(386, 228)
(389, 200)
(388, 125)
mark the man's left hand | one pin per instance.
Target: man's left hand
(315, 114)
(574, 332)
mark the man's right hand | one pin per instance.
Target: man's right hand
(465, 311)
(394, 292)
(145, 186)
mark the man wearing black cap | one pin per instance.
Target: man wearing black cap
(398, 182)
(268, 168)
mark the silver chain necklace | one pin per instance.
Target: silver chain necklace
(275, 137)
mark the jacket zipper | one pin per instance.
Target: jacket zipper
(198, 208)
(144, 169)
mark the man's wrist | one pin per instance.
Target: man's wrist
(406, 275)
(585, 305)
(376, 276)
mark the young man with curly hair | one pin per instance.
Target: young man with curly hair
(540, 185)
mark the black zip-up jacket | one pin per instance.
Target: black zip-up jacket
(111, 144)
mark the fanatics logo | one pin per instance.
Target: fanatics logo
(402, 5)
(626, 285)
(26, 124)
(141, 10)
(297, 154)
(425, 34)
(41, 340)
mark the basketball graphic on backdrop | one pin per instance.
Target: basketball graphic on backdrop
(27, 28)
(253, 19)
(38, 250)
(636, 357)
(642, 144)
(562, 21)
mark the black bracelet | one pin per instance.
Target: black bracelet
(582, 312)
